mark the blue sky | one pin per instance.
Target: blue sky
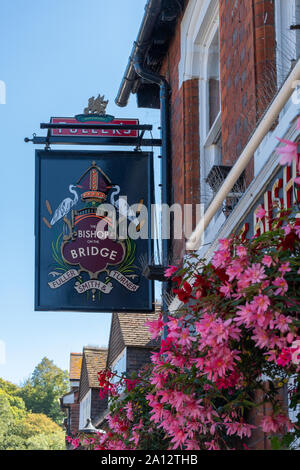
(54, 56)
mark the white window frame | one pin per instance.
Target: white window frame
(119, 366)
(198, 29)
(287, 12)
(85, 409)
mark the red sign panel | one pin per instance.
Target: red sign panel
(94, 132)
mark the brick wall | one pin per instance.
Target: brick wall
(137, 358)
(84, 380)
(247, 71)
(184, 136)
(98, 406)
(259, 439)
(74, 414)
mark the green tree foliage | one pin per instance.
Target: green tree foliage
(41, 392)
(21, 427)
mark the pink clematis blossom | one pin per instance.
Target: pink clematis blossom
(276, 423)
(155, 327)
(256, 273)
(241, 429)
(244, 315)
(260, 303)
(170, 271)
(281, 284)
(267, 261)
(284, 268)
(261, 213)
(284, 357)
(241, 251)
(129, 411)
(226, 289)
(234, 270)
(295, 349)
(180, 436)
(288, 153)
(282, 322)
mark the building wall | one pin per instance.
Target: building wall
(247, 71)
(98, 405)
(84, 381)
(74, 415)
(248, 83)
(184, 134)
(116, 341)
(137, 358)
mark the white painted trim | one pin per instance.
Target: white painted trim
(85, 409)
(263, 128)
(196, 26)
(253, 193)
(68, 399)
(119, 357)
(214, 132)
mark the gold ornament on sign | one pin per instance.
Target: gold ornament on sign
(96, 106)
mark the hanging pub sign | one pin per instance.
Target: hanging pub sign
(92, 209)
(90, 119)
(94, 113)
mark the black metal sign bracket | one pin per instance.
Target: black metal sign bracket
(136, 142)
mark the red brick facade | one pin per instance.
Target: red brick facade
(184, 135)
(247, 71)
(247, 82)
(74, 414)
(247, 85)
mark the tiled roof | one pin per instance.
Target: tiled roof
(134, 330)
(95, 359)
(75, 366)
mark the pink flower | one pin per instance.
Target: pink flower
(261, 213)
(297, 180)
(287, 229)
(260, 303)
(129, 411)
(185, 338)
(245, 315)
(282, 322)
(155, 327)
(241, 251)
(284, 268)
(76, 443)
(284, 357)
(241, 429)
(234, 270)
(261, 338)
(224, 243)
(282, 286)
(288, 153)
(212, 445)
(170, 271)
(295, 349)
(256, 273)
(267, 261)
(180, 436)
(226, 289)
(221, 259)
(276, 423)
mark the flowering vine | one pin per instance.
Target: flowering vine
(231, 349)
(236, 338)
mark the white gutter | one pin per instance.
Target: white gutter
(263, 128)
